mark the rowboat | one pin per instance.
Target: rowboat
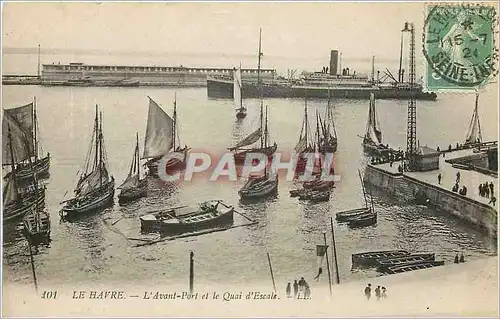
(413, 266)
(383, 264)
(36, 226)
(175, 221)
(260, 187)
(363, 220)
(345, 216)
(370, 258)
(319, 185)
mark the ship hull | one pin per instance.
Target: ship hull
(224, 89)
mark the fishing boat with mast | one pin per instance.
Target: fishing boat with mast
(305, 145)
(260, 186)
(133, 187)
(260, 134)
(96, 186)
(473, 135)
(162, 138)
(241, 111)
(36, 223)
(25, 118)
(372, 141)
(16, 146)
(359, 217)
(327, 142)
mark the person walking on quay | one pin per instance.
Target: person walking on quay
(301, 287)
(288, 290)
(456, 259)
(439, 178)
(486, 190)
(458, 177)
(307, 290)
(481, 192)
(377, 292)
(295, 288)
(492, 200)
(384, 292)
(462, 259)
(368, 291)
(491, 188)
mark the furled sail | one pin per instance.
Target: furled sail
(19, 142)
(237, 88)
(474, 132)
(10, 193)
(250, 139)
(159, 132)
(373, 132)
(92, 181)
(301, 145)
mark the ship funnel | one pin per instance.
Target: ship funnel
(334, 59)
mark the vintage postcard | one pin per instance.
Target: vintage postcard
(271, 159)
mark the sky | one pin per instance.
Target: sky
(359, 30)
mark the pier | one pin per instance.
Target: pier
(425, 188)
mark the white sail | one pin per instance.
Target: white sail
(250, 139)
(237, 88)
(159, 132)
(373, 132)
(10, 193)
(473, 134)
(376, 124)
(20, 143)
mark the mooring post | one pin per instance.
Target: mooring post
(191, 272)
(32, 266)
(328, 264)
(271, 270)
(337, 278)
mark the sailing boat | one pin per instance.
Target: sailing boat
(25, 118)
(16, 148)
(162, 138)
(96, 187)
(261, 134)
(328, 139)
(473, 135)
(304, 145)
(372, 141)
(133, 187)
(241, 111)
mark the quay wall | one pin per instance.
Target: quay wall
(482, 216)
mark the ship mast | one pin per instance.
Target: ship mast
(411, 130)
(266, 132)
(260, 55)
(175, 121)
(96, 127)
(38, 71)
(373, 69)
(35, 127)
(261, 125)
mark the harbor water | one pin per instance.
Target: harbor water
(88, 250)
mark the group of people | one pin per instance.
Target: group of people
(380, 292)
(485, 190)
(390, 156)
(301, 289)
(461, 259)
(455, 189)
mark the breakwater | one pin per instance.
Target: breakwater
(415, 186)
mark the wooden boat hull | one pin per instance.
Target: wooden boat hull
(345, 216)
(172, 166)
(239, 157)
(270, 188)
(413, 266)
(34, 234)
(319, 185)
(320, 196)
(384, 264)
(91, 204)
(211, 220)
(331, 148)
(370, 258)
(40, 168)
(24, 205)
(375, 149)
(131, 194)
(366, 220)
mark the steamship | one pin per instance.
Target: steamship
(322, 84)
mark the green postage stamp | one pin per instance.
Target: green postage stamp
(459, 44)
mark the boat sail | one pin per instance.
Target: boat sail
(372, 140)
(260, 134)
(133, 187)
(25, 119)
(328, 138)
(305, 144)
(16, 146)
(241, 111)
(473, 135)
(162, 138)
(96, 186)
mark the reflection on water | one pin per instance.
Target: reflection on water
(288, 229)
